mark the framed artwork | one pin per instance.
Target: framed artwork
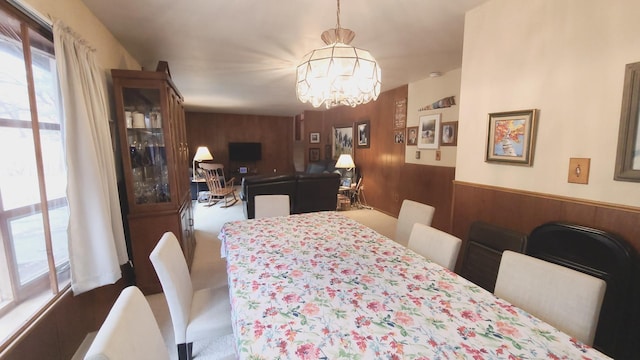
(363, 133)
(342, 142)
(511, 137)
(400, 114)
(628, 155)
(314, 137)
(314, 154)
(449, 134)
(398, 137)
(412, 135)
(327, 152)
(429, 131)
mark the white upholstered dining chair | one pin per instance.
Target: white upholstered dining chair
(195, 315)
(130, 331)
(271, 205)
(412, 212)
(436, 245)
(565, 298)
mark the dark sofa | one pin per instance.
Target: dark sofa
(307, 192)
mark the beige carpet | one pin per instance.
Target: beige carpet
(209, 270)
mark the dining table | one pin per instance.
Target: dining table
(323, 286)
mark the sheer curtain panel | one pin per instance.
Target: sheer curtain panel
(96, 236)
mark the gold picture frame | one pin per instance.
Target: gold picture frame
(511, 137)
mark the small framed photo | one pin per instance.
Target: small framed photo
(511, 137)
(412, 135)
(449, 134)
(429, 131)
(314, 137)
(398, 137)
(363, 134)
(314, 154)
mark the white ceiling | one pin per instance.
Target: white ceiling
(239, 56)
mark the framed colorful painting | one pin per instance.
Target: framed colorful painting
(511, 137)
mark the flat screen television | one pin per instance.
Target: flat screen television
(245, 151)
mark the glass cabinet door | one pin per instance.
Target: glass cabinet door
(145, 139)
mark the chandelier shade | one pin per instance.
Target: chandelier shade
(338, 73)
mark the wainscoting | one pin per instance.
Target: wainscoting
(58, 332)
(523, 211)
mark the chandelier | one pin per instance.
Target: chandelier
(338, 73)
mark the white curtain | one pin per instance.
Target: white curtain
(96, 236)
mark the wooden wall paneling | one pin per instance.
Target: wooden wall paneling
(60, 330)
(574, 212)
(41, 342)
(80, 314)
(313, 122)
(621, 222)
(217, 130)
(495, 205)
(297, 128)
(431, 185)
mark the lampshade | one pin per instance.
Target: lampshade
(338, 73)
(345, 161)
(202, 153)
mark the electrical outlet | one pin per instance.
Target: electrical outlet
(579, 170)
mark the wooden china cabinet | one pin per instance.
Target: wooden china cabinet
(156, 166)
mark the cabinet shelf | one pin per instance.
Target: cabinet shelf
(155, 167)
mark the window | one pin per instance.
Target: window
(34, 261)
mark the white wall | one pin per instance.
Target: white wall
(109, 52)
(426, 92)
(567, 59)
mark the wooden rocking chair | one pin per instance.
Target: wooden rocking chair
(219, 189)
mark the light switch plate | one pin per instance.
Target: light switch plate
(579, 170)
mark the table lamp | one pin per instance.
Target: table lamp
(345, 161)
(202, 154)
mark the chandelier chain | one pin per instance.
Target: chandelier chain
(338, 14)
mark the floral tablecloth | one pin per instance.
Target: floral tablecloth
(322, 286)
